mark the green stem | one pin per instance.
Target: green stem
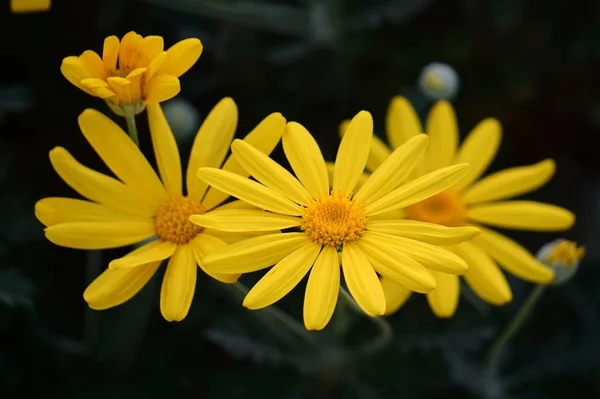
(386, 332)
(132, 129)
(498, 347)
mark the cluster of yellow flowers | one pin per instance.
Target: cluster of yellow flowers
(413, 222)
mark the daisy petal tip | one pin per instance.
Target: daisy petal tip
(197, 219)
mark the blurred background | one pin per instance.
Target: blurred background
(533, 64)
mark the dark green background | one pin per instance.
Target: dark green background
(534, 65)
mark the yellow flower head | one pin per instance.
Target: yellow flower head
(29, 6)
(132, 72)
(139, 205)
(330, 219)
(472, 202)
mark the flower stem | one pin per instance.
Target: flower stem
(386, 332)
(499, 346)
(132, 129)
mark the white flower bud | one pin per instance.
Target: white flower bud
(439, 81)
(563, 257)
(182, 117)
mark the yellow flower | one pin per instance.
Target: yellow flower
(327, 221)
(29, 6)
(472, 202)
(132, 72)
(139, 205)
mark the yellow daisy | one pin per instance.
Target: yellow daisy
(29, 6)
(332, 219)
(472, 202)
(139, 205)
(132, 72)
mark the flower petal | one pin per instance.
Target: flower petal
(121, 155)
(418, 189)
(211, 144)
(443, 134)
(97, 186)
(353, 153)
(264, 137)
(305, 158)
(181, 57)
(56, 210)
(204, 244)
(513, 257)
(430, 233)
(128, 50)
(444, 299)
(241, 220)
(395, 295)
(484, 277)
(161, 88)
(511, 182)
(402, 122)
(99, 235)
(154, 251)
(478, 150)
(179, 284)
(93, 64)
(393, 171)
(110, 53)
(74, 70)
(322, 290)
(115, 287)
(282, 277)
(362, 281)
(249, 191)
(165, 150)
(378, 153)
(98, 87)
(255, 253)
(523, 215)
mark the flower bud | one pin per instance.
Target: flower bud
(563, 257)
(438, 81)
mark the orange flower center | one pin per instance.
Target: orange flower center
(566, 253)
(446, 208)
(333, 221)
(172, 220)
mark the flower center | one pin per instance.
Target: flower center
(333, 221)
(172, 223)
(566, 253)
(446, 208)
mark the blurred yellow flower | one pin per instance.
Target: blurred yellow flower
(331, 220)
(132, 72)
(472, 202)
(140, 205)
(29, 6)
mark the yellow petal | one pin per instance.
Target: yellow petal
(165, 150)
(98, 187)
(74, 70)
(282, 278)
(393, 171)
(330, 169)
(352, 154)
(478, 150)
(99, 235)
(264, 137)
(93, 64)
(523, 215)
(181, 56)
(98, 87)
(249, 191)
(241, 220)
(155, 65)
(377, 154)
(179, 284)
(430, 233)
(29, 6)
(418, 189)
(154, 251)
(161, 88)
(148, 48)
(128, 50)
(322, 290)
(362, 281)
(121, 155)
(398, 267)
(402, 122)
(55, 210)
(231, 237)
(204, 244)
(484, 277)
(270, 173)
(511, 182)
(430, 256)
(110, 53)
(211, 144)
(304, 155)
(443, 134)
(444, 299)
(395, 295)
(113, 288)
(255, 253)
(512, 257)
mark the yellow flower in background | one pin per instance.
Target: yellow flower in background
(29, 6)
(472, 202)
(139, 205)
(132, 72)
(332, 219)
